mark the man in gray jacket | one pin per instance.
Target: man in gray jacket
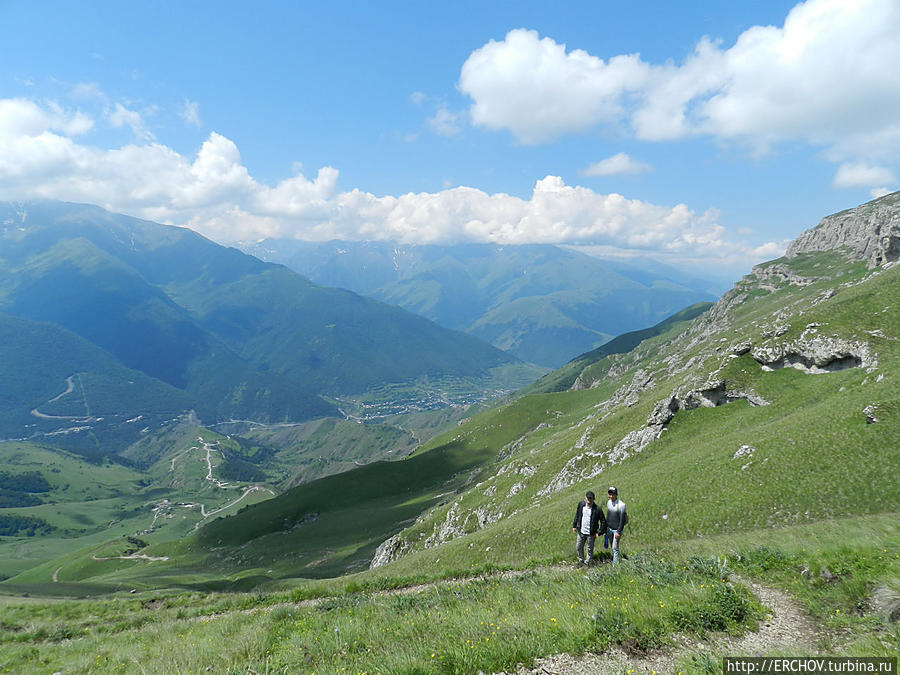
(616, 519)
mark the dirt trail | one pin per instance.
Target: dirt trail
(133, 556)
(789, 627)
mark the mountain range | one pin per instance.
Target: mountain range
(754, 442)
(207, 327)
(792, 372)
(544, 304)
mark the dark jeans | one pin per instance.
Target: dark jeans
(579, 546)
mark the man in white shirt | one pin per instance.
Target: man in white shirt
(586, 525)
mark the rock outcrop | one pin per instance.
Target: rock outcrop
(869, 233)
(885, 601)
(769, 277)
(819, 354)
(869, 411)
(711, 395)
(389, 550)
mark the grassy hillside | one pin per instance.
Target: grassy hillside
(329, 446)
(486, 623)
(758, 438)
(176, 485)
(464, 498)
(811, 447)
(37, 361)
(241, 338)
(58, 511)
(564, 378)
(80, 503)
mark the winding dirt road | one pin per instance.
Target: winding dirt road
(70, 387)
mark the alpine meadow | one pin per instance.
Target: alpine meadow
(553, 262)
(760, 413)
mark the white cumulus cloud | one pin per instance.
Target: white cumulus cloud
(827, 77)
(23, 117)
(619, 163)
(862, 175)
(536, 89)
(214, 193)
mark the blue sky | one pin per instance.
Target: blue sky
(702, 131)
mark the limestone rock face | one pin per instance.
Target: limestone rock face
(389, 550)
(870, 233)
(819, 354)
(769, 276)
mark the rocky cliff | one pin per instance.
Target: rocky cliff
(869, 233)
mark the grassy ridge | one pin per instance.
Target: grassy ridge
(812, 447)
(89, 505)
(304, 530)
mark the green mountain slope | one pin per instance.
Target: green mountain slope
(567, 376)
(333, 340)
(759, 437)
(242, 338)
(81, 287)
(767, 410)
(52, 379)
(544, 304)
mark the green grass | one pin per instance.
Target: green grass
(816, 264)
(563, 378)
(90, 504)
(70, 477)
(481, 624)
(813, 510)
(833, 570)
(487, 624)
(813, 450)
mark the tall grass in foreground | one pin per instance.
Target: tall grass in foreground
(489, 624)
(479, 624)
